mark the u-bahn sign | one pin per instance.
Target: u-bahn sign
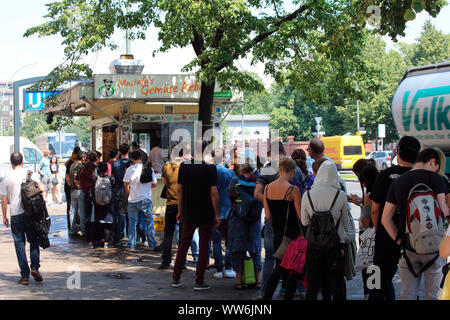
(35, 100)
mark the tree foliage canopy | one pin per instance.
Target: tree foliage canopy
(293, 111)
(320, 39)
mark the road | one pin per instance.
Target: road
(117, 274)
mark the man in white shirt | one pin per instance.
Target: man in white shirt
(139, 201)
(157, 158)
(10, 192)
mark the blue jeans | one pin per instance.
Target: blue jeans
(19, 232)
(144, 207)
(216, 238)
(194, 242)
(142, 228)
(77, 207)
(119, 217)
(269, 261)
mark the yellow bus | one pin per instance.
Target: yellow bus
(344, 150)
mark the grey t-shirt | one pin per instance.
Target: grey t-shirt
(10, 187)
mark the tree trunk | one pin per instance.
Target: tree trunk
(205, 105)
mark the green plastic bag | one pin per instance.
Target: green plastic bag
(248, 276)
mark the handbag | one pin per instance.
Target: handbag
(364, 257)
(279, 254)
(295, 256)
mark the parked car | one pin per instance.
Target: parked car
(383, 159)
(369, 154)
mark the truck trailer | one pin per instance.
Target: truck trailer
(421, 107)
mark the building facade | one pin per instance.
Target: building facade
(256, 128)
(6, 105)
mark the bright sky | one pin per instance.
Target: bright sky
(38, 56)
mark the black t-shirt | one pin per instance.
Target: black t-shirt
(118, 169)
(385, 246)
(399, 191)
(197, 180)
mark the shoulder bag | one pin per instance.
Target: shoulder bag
(279, 254)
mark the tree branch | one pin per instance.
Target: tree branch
(265, 35)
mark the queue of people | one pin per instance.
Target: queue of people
(406, 205)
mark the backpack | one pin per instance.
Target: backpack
(29, 189)
(424, 224)
(103, 192)
(422, 229)
(147, 173)
(37, 220)
(322, 233)
(247, 207)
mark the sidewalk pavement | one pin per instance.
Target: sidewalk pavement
(114, 274)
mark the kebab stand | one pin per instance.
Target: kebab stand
(140, 107)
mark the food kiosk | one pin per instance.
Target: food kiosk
(145, 108)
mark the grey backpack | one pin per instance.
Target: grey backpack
(103, 193)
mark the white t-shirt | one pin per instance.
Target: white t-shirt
(156, 157)
(138, 191)
(10, 186)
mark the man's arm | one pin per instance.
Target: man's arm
(387, 222)
(267, 213)
(126, 187)
(375, 214)
(444, 247)
(443, 204)
(215, 201)
(259, 192)
(180, 202)
(5, 210)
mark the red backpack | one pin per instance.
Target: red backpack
(295, 256)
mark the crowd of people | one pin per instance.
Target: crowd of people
(251, 206)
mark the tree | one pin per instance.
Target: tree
(220, 32)
(432, 46)
(33, 125)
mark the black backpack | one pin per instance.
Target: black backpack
(37, 219)
(147, 172)
(322, 233)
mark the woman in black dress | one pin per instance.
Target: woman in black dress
(282, 200)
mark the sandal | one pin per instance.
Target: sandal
(258, 285)
(238, 286)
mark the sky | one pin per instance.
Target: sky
(22, 58)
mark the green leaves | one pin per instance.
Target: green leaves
(314, 44)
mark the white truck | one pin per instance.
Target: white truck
(31, 154)
(421, 107)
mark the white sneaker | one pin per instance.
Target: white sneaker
(229, 273)
(218, 275)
